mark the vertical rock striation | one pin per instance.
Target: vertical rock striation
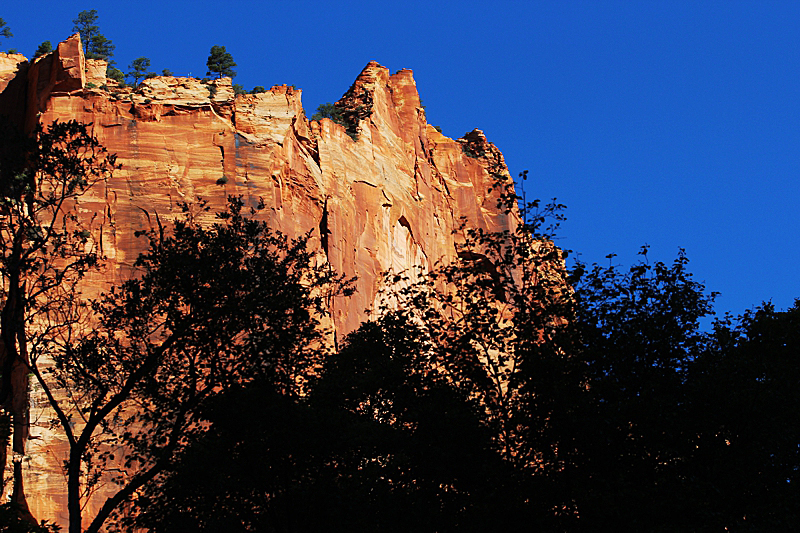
(392, 199)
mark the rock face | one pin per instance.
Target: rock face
(9, 67)
(388, 200)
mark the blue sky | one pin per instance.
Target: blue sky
(674, 124)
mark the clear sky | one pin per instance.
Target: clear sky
(674, 124)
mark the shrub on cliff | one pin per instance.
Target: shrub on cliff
(117, 75)
(348, 112)
(43, 49)
(330, 111)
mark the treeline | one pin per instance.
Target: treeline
(499, 391)
(97, 46)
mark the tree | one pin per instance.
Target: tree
(167, 72)
(258, 89)
(370, 446)
(744, 403)
(213, 309)
(44, 251)
(43, 49)
(95, 44)
(329, 110)
(116, 75)
(10, 522)
(388, 377)
(349, 111)
(139, 69)
(638, 333)
(220, 62)
(496, 321)
(5, 31)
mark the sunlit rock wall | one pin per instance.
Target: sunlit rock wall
(389, 200)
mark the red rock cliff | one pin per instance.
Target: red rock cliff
(388, 200)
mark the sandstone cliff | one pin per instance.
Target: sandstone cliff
(388, 200)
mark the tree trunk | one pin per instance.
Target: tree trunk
(14, 387)
(18, 497)
(74, 490)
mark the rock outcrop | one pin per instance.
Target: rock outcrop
(390, 199)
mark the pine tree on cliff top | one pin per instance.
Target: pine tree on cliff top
(5, 31)
(95, 44)
(220, 62)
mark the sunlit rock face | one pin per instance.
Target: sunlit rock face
(9, 67)
(388, 200)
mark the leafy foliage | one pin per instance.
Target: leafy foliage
(10, 522)
(44, 252)
(220, 62)
(370, 442)
(497, 389)
(745, 457)
(330, 111)
(502, 389)
(214, 308)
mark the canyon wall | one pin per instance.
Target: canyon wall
(390, 199)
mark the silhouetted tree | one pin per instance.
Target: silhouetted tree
(745, 441)
(377, 444)
(213, 308)
(638, 332)
(44, 251)
(10, 522)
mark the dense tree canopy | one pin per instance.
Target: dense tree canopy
(498, 389)
(507, 399)
(214, 308)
